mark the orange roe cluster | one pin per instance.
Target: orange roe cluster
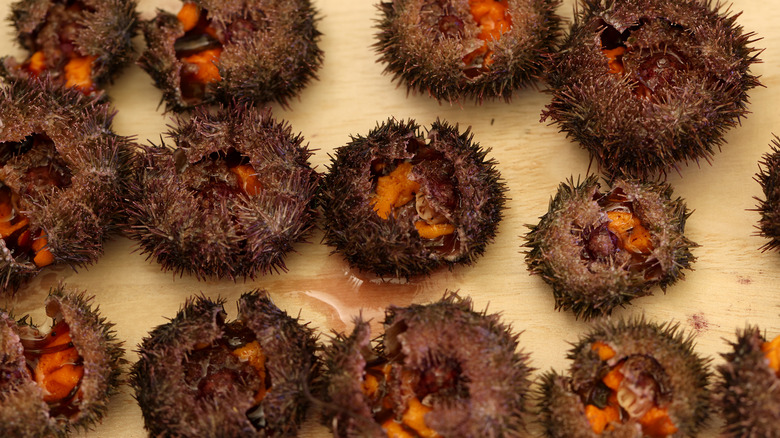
(56, 365)
(247, 179)
(632, 235)
(655, 420)
(771, 351)
(15, 230)
(77, 69)
(412, 421)
(494, 21)
(252, 354)
(395, 190)
(202, 66)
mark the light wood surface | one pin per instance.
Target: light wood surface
(733, 282)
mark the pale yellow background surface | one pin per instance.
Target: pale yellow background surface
(733, 282)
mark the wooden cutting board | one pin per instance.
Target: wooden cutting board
(733, 283)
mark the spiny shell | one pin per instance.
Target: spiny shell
(562, 410)
(769, 207)
(171, 408)
(424, 42)
(492, 378)
(591, 286)
(270, 51)
(23, 413)
(103, 30)
(188, 212)
(77, 218)
(748, 391)
(692, 56)
(393, 246)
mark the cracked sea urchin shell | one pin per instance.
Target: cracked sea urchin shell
(453, 49)
(600, 249)
(645, 85)
(76, 43)
(62, 177)
(36, 396)
(200, 376)
(230, 200)
(449, 204)
(251, 52)
(456, 370)
(647, 374)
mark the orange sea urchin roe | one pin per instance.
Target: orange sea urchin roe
(632, 235)
(623, 402)
(772, 352)
(412, 422)
(76, 69)
(614, 59)
(493, 20)
(14, 229)
(247, 179)
(56, 366)
(188, 16)
(59, 372)
(252, 353)
(199, 51)
(78, 73)
(206, 65)
(396, 190)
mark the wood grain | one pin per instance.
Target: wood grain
(733, 282)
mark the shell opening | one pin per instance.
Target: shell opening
(401, 397)
(232, 367)
(62, 62)
(493, 20)
(198, 50)
(423, 189)
(54, 363)
(649, 69)
(623, 232)
(633, 388)
(46, 171)
(222, 174)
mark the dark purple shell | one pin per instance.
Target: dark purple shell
(685, 82)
